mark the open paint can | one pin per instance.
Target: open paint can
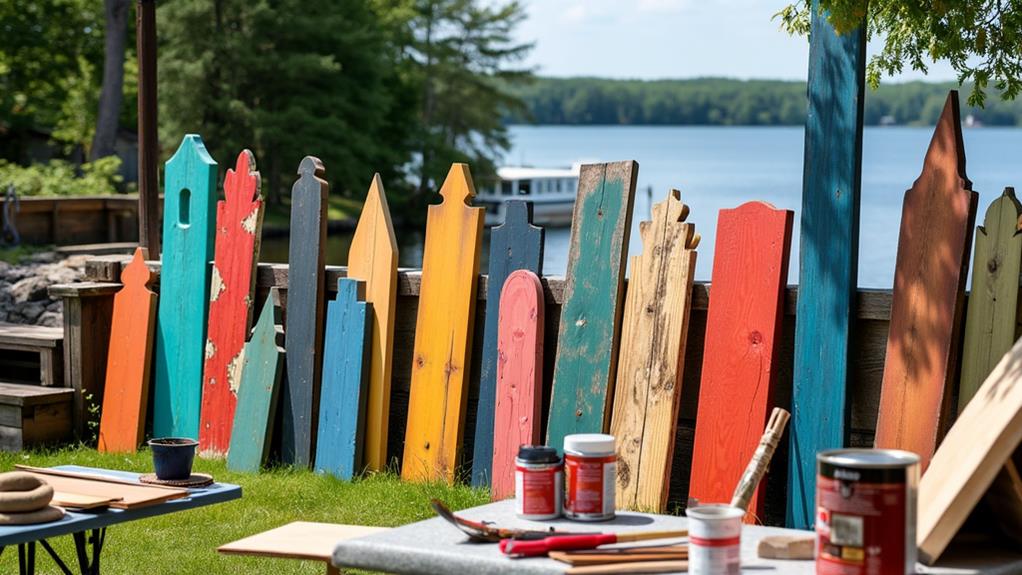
(714, 539)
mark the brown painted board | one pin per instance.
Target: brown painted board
(126, 393)
(653, 336)
(120, 495)
(79, 501)
(929, 289)
(298, 540)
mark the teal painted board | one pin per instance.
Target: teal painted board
(515, 245)
(306, 283)
(829, 257)
(587, 339)
(345, 389)
(260, 387)
(189, 211)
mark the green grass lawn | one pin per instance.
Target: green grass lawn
(186, 542)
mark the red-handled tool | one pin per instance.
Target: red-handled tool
(540, 547)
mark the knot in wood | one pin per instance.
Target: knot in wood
(425, 445)
(755, 338)
(580, 322)
(578, 413)
(419, 361)
(992, 265)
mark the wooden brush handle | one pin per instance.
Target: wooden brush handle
(760, 459)
(637, 567)
(645, 535)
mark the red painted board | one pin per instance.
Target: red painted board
(519, 376)
(740, 356)
(239, 220)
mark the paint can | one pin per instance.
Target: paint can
(866, 511)
(715, 539)
(539, 483)
(590, 469)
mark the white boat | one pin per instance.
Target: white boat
(551, 190)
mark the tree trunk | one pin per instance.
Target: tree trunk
(112, 94)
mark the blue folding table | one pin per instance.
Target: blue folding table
(89, 528)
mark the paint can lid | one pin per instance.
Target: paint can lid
(538, 454)
(589, 443)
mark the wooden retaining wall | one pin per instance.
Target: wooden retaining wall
(77, 220)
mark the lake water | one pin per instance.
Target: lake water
(722, 167)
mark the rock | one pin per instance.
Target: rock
(31, 311)
(30, 288)
(23, 287)
(50, 319)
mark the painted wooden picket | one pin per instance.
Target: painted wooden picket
(828, 256)
(516, 244)
(443, 332)
(188, 224)
(588, 335)
(239, 222)
(519, 378)
(304, 330)
(929, 290)
(740, 352)
(126, 392)
(653, 337)
(343, 396)
(262, 366)
(372, 258)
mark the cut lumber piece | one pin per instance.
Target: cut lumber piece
(121, 495)
(787, 547)
(740, 351)
(298, 540)
(373, 258)
(239, 224)
(588, 335)
(443, 332)
(653, 337)
(304, 330)
(126, 392)
(975, 449)
(263, 363)
(188, 224)
(828, 255)
(515, 244)
(79, 501)
(345, 389)
(519, 392)
(929, 291)
(671, 566)
(620, 555)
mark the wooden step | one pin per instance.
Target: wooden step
(33, 415)
(32, 353)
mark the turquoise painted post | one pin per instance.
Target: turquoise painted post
(829, 256)
(345, 388)
(189, 211)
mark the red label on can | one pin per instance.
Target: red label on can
(586, 479)
(538, 490)
(861, 527)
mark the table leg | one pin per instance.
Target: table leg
(331, 570)
(26, 558)
(96, 538)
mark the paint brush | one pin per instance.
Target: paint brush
(481, 531)
(760, 461)
(540, 547)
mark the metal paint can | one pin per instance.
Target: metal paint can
(866, 511)
(539, 483)
(590, 470)
(715, 539)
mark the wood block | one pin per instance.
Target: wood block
(304, 318)
(587, 339)
(239, 223)
(929, 291)
(342, 406)
(443, 333)
(188, 225)
(516, 244)
(787, 547)
(261, 369)
(126, 393)
(79, 501)
(828, 257)
(519, 393)
(298, 540)
(652, 357)
(373, 258)
(975, 449)
(740, 353)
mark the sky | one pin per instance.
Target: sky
(651, 39)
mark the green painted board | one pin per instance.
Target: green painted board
(189, 211)
(587, 339)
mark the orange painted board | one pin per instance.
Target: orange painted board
(519, 376)
(126, 392)
(937, 222)
(740, 353)
(239, 222)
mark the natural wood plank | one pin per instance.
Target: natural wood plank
(588, 336)
(829, 252)
(120, 494)
(126, 394)
(373, 258)
(35, 336)
(443, 336)
(239, 223)
(190, 184)
(519, 392)
(304, 318)
(740, 353)
(653, 337)
(345, 389)
(515, 244)
(298, 540)
(929, 287)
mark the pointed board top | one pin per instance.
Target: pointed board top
(458, 185)
(269, 317)
(665, 213)
(136, 273)
(192, 148)
(517, 214)
(311, 166)
(1005, 202)
(310, 178)
(375, 213)
(242, 183)
(350, 289)
(947, 148)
